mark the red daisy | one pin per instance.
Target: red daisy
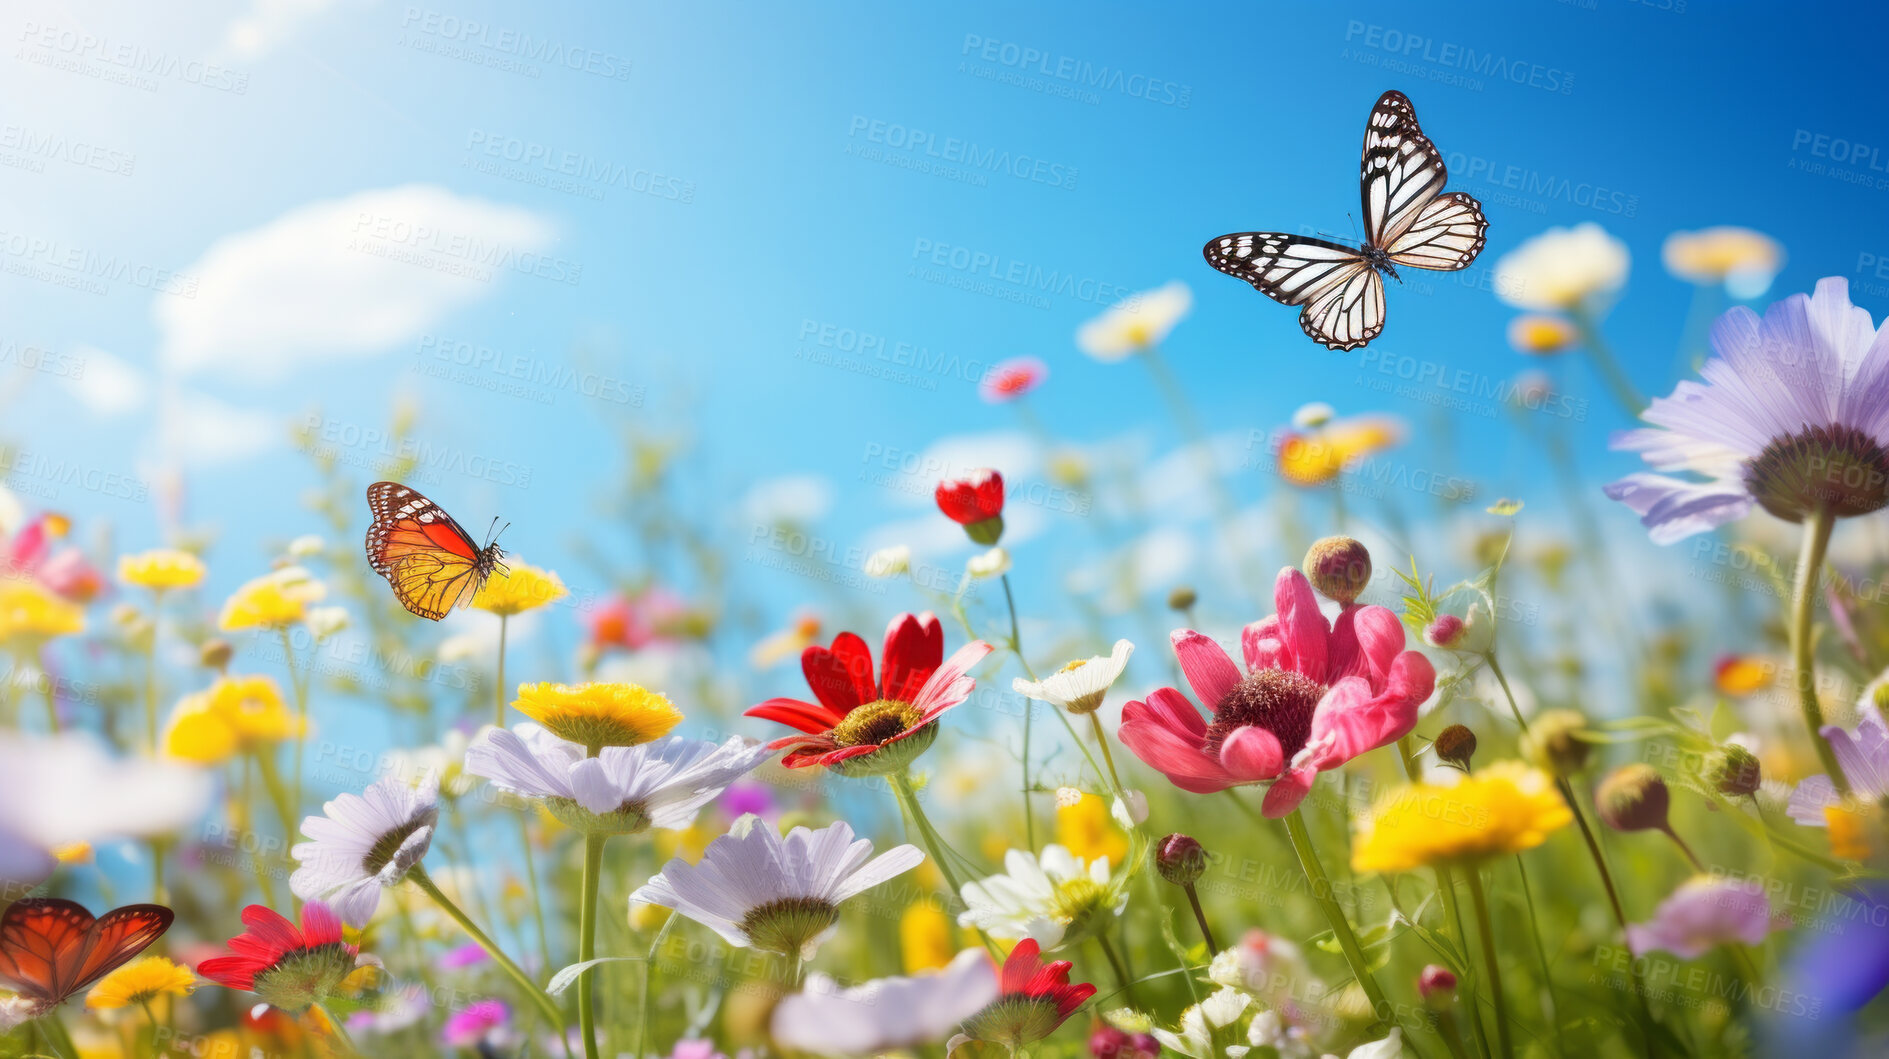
(288, 968)
(1012, 379)
(1036, 998)
(975, 502)
(862, 726)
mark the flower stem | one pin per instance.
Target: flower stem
(1541, 948)
(934, 842)
(1481, 903)
(337, 1031)
(649, 989)
(150, 672)
(1817, 526)
(425, 882)
(587, 941)
(531, 876)
(1334, 915)
(498, 689)
(301, 711)
(278, 795)
(1029, 712)
(1121, 973)
(1609, 368)
(1200, 917)
(57, 1036)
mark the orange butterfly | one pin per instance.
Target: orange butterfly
(51, 949)
(429, 560)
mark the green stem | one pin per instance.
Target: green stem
(1472, 982)
(150, 673)
(52, 702)
(1541, 948)
(537, 904)
(1480, 902)
(1334, 914)
(278, 795)
(425, 882)
(337, 1031)
(587, 941)
(56, 1034)
(301, 711)
(1817, 526)
(1029, 712)
(1604, 362)
(941, 854)
(1200, 917)
(498, 689)
(1108, 756)
(1121, 973)
(649, 994)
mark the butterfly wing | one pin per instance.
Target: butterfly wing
(119, 935)
(1446, 236)
(1342, 294)
(1401, 171)
(40, 938)
(431, 562)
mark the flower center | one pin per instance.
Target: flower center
(1014, 1020)
(383, 851)
(1073, 666)
(1076, 900)
(786, 925)
(1277, 700)
(1838, 469)
(301, 977)
(875, 722)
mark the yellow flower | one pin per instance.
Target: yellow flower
(647, 917)
(1136, 324)
(273, 600)
(1744, 260)
(73, 853)
(690, 842)
(925, 942)
(236, 715)
(1085, 827)
(160, 569)
(1506, 807)
(1320, 456)
(140, 982)
(518, 588)
(1849, 830)
(1562, 269)
(598, 715)
(1543, 334)
(29, 613)
(1740, 674)
(787, 643)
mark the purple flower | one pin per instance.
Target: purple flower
(1792, 416)
(470, 1025)
(464, 956)
(1864, 755)
(1705, 912)
(744, 798)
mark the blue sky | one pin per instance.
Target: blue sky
(242, 216)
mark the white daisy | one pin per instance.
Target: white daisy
(993, 563)
(755, 888)
(1136, 324)
(364, 843)
(1053, 901)
(885, 1014)
(1199, 1025)
(1079, 686)
(1562, 269)
(624, 788)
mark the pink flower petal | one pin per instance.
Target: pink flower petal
(1171, 710)
(1351, 720)
(1252, 754)
(1304, 631)
(951, 683)
(1181, 760)
(1261, 644)
(1209, 671)
(1288, 791)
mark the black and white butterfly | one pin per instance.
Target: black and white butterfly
(1408, 220)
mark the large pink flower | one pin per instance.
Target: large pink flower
(1314, 696)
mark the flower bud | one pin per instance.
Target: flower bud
(1182, 598)
(1338, 567)
(215, 653)
(1445, 632)
(1456, 745)
(1109, 1042)
(1554, 743)
(1180, 860)
(1633, 798)
(1437, 985)
(1735, 771)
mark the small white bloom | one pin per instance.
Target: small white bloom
(756, 888)
(1080, 686)
(363, 843)
(885, 1014)
(993, 563)
(1140, 322)
(324, 622)
(1390, 1047)
(1315, 414)
(1199, 1022)
(1130, 809)
(1068, 796)
(307, 546)
(1043, 899)
(1562, 268)
(889, 562)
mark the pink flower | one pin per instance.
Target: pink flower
(1703, 913)
(1314, 696)
(474, 1023)
(1011, 379)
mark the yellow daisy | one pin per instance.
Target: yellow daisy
(236, 715)
(598, 715)
(518, 588)
(30, 614)
(1543, 334)
(1744, 260)
(1319, 456)
(1085, 827)
(278, 598)
(925, 941)
(140, 982)
(160, 569)
(1506, 807)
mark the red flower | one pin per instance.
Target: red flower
(1035, 998)
(288, 968)
(857, 715)
(975, 502)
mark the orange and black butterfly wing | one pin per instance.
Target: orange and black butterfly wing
(431, 562)
(39, 938)
(119, 935)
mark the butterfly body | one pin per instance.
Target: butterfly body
(51, 949)
(428, 558)
(1408, 220)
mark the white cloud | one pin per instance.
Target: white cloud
(107, 385)
(197, 430)
(259, 30)
(799, 499)
(347, 277)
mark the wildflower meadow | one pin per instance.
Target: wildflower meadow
(436, 637)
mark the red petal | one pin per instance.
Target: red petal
(805, 716)
(840, 676)
(914, 648)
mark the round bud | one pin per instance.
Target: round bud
(1446, 631)
(1633, 798)
(1735, 770)
(1456, 745)
(1339, 567)
(1554, 742)
(1180, 860)
(215, 653)
(1436, 984)
(1182, 598)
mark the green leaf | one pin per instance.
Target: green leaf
(567, 977)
